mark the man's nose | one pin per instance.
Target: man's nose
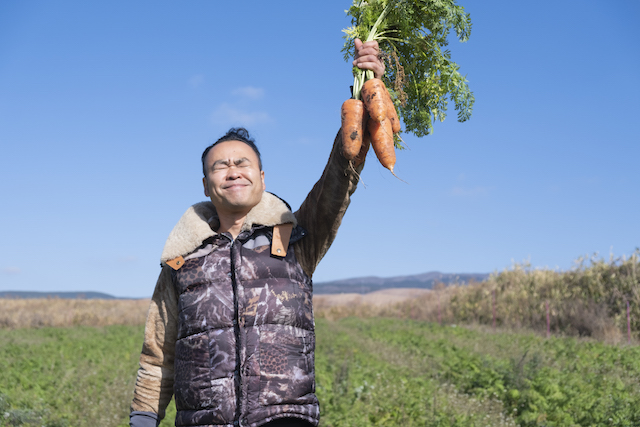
(233, 173)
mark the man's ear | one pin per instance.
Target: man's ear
(264, 187)
(206, 188)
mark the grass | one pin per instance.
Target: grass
(366, 382)
(369, 371)
(523, 377)
(79, 376)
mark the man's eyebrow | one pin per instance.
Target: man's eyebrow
(226, 162)
(241, 160)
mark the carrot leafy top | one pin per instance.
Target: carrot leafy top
(420, 75)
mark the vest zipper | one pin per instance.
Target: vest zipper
(236, 331)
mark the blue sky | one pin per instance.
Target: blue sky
(105, 108)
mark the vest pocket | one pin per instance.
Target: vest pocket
(286, 365)
(195, 388)
(192, 384)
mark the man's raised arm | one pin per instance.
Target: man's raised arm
(322, 211)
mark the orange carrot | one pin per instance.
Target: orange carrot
(352, 127)
(362, 155)
(373, 95)
(392, 114)
(382, 142)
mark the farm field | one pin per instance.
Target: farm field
(370, 372)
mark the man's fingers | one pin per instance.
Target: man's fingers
(368, 57)
(367, 51)
(373, 44)
(367, 48)
(365, 59)
(375, 66)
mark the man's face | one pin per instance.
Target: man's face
(234, 181)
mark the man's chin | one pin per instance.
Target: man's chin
(234, 206)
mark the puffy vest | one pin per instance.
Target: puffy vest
(245, 349)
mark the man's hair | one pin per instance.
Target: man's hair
(234, 134)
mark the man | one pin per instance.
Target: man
(230, 328)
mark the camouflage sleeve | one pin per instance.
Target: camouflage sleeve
(154, 384)
(322, 211)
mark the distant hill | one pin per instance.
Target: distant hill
(363, 285)
(62, 295)
(358, 285)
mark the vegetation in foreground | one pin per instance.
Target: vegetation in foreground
(79, 376)
(371, 371)
(532, 380)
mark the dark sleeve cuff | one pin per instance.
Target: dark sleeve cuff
(143, 419)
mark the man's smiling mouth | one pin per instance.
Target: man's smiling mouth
(235, 186)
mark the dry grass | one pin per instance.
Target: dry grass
(423, 304)
(382, 298)
(35, 313)
(589, 300)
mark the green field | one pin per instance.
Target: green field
(370, 372)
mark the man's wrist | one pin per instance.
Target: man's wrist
(143, 419)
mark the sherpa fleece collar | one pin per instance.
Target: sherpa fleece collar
(196, 224)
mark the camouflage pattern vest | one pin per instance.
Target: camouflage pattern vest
(245, 349)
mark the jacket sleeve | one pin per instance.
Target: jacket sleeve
(322, 211)
(154, 383)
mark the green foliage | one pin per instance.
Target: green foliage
(367, 382)
(78, 376)
(413, 35)
(555, 382)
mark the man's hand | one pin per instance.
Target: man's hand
(368, 57)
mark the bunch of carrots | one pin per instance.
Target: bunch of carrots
(412, 35)
(370, 121)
